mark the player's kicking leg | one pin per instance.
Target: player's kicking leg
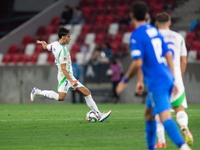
(47, 93)
(160, 133)
(182, 120)
(187, 136)
(91, 103)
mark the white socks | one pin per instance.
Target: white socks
(182, 119)
(49, 94)
(91, 103)
(160, 131)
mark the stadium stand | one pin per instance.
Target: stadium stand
(107, 15)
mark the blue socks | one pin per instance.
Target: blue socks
(151, 134)
(173, 132)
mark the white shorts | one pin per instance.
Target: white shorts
(64, 84)
(180, 98)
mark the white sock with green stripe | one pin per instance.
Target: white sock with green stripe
(91, 103)
(49, 94)
(182, 119)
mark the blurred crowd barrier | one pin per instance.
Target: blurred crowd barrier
(16, 82)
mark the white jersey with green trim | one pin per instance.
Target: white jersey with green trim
(62, 56)
(176, 45)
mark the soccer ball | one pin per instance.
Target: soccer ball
(92, 116)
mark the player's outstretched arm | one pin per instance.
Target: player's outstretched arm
(132, 70)
(44, 44)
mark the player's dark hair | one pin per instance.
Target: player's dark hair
(139, 10)
(162, 17)
(62, 32)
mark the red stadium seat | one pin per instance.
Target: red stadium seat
(86, 10)
(25, 58)
(99, 29)
(100, 19)
(75, 48)
(81, 38)
(198, 55)
(50, 58)
(7, 58)
(100, 38)
(41, 31)
(34, 58)
(16, 58)
(28, 39)
(38, 49)
(50, 29)
(108, 19)
(55, 21)
(118, 37)
(196, 45)
(21, 49)
(190, 37)
(100, 2)
(12, 49)
(115, 48)
(122, 9)
(123, 28)
(89, 3)
(86, 29)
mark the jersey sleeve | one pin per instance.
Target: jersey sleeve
(135, 48)
(183, 47)
(63, 56)
(50, 47)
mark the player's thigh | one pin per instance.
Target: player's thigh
(161, 101)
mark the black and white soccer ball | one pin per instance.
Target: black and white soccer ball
(92, 116)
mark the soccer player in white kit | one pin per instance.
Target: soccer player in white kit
(65, 76)
(176, 44)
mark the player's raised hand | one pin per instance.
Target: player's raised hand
(139, 88)
(38, 42)
(44, 44)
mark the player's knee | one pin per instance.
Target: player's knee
(85, 91)
(88, 93)
(148, 114)
(61, 99)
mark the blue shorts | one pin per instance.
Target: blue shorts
(159, 100)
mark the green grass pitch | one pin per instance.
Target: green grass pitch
(63, 127)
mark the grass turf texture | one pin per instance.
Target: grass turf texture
(63, 126)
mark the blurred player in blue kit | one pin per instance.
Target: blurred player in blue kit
(149, 52)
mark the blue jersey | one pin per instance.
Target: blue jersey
(146, 43)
